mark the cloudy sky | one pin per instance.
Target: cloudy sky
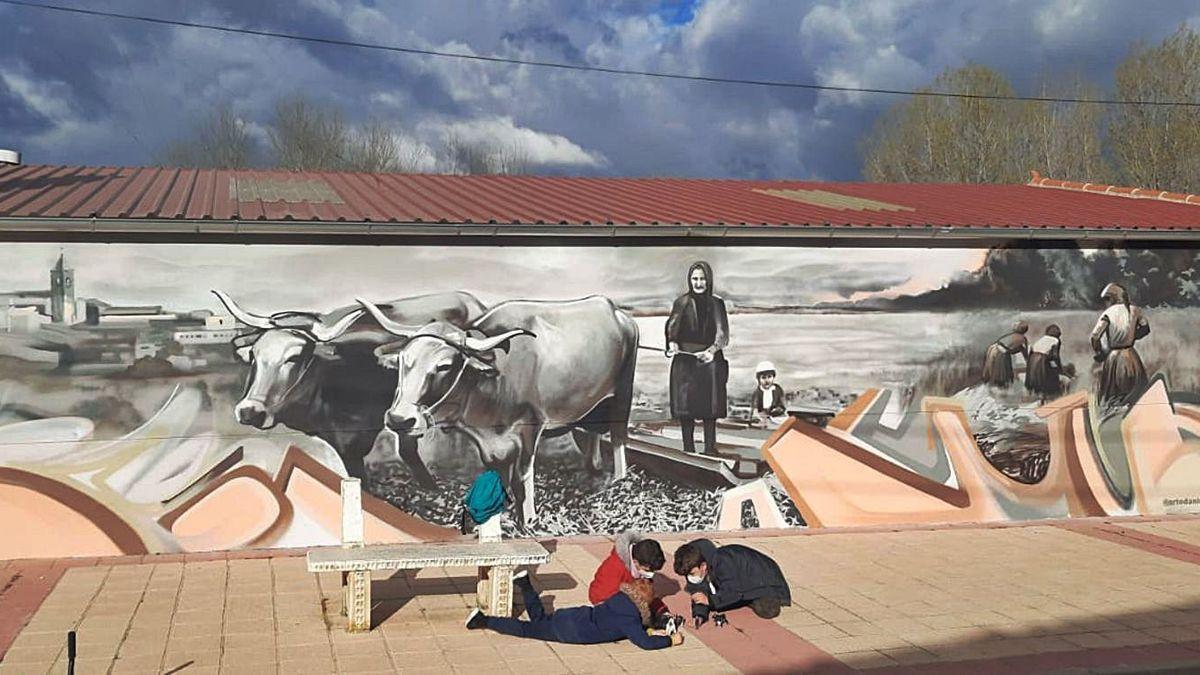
(85, 90)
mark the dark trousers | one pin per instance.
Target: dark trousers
(688, 427)
(538, 626)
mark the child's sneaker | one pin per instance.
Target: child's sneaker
(476, 620)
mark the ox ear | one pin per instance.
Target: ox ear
(243, 353)
(388, 355)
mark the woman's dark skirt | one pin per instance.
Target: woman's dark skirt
(1041, 376)
(698, 389)
(1121, 375)
(997, 366)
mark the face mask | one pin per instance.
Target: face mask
(695, 579)
(645, 575)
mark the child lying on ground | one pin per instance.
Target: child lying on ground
(623, 616)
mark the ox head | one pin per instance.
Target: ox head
(280, 351)
(431, 363)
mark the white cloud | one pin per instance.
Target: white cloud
(544, 149)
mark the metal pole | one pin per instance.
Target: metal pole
(71, 653)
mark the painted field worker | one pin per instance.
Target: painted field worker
(1043, 374)
(624, 616)
(997, 362)
(1118, 328)
(697, 332)
(768, 403)
(728, 577)
(633, 557)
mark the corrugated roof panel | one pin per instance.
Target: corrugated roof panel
(53, 194)
(90, 182)
(151, 202)
(175, 201)
(99, 200)
(134, 187)
(154, 193)
(31, 186)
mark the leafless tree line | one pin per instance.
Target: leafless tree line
(935, 139)
(306, 136)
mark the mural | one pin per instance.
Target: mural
(165, 398)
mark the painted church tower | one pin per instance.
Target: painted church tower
(62, 293)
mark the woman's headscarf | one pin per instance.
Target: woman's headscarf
(708, 275)
(1115, 293)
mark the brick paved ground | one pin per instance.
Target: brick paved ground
(1070, 596)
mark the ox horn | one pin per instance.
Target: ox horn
(479, 345)
(390, 326)
(252, 320)
(324, 332)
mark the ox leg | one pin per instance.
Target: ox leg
(521, 480)
(618, 435)
(589, 447)
(354, 465)
(406, 446)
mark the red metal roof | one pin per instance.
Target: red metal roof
(159, 194)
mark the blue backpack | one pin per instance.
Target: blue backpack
(486, 498)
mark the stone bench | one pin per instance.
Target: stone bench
(495, 559)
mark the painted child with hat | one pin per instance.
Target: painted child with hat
(768, 404)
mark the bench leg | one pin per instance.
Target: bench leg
(358, 601)
(500, 596)
(345, 593)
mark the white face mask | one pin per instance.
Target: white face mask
(695, 579)
(645, 575)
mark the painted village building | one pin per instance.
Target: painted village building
(192, 359)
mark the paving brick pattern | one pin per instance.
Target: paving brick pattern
(1021, 599)
(1185, 531)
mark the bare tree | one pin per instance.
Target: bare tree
(221, 141)
(308, 137)
(1064, 140)
(961, 140)
(461, 156)
(374, 148)
(1159, 146)
(303, 136)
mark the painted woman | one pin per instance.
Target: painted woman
(1118, 328)
(697, 333)
(1043, 374)
(997, 362)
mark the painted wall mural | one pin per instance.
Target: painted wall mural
(164, 398)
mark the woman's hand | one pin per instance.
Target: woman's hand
(706, 356)
(676, 639)
(672, 350)
(700, 598)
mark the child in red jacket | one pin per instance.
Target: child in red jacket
(633, 556)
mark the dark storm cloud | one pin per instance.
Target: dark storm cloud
(86, 90)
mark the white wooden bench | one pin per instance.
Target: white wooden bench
(495, 559)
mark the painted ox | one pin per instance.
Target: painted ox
(522, 371)
(318, 374)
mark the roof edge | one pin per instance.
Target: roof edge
(1037, 180)
(382, 232)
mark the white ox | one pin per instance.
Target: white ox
(318, 374)
(522, 371)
